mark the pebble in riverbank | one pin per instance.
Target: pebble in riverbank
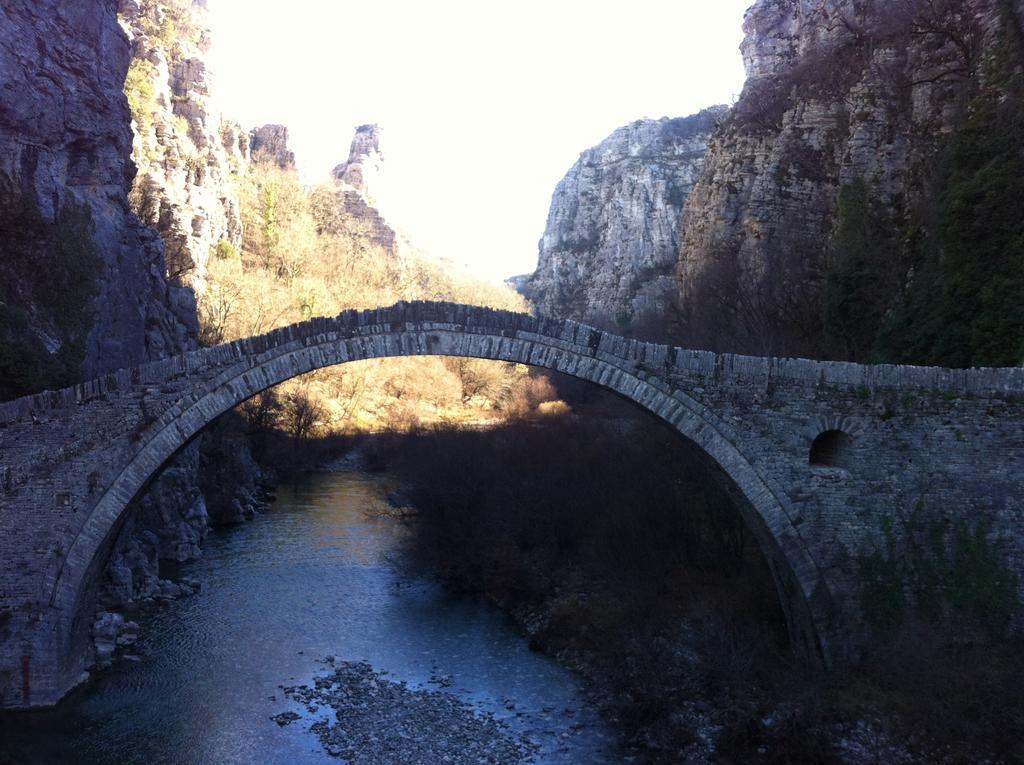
(382, 722)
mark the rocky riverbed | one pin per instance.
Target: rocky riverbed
(380, 721)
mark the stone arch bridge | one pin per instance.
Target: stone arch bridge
(815, 454)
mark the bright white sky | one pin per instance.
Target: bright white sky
(484, 105)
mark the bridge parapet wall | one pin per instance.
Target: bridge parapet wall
(653, 359)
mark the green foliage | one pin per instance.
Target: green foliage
(167, 31)
(883, 596)
(940, 571)
(48, 273)
(963, 307)
(226, 251)
(167, 23)
(859, 277)
(981, 583)
(140, 88)
(170, 22)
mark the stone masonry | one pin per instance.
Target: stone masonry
(72, 460)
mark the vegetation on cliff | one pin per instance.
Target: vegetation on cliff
(861, 197)
(963, 305)
(262, 250)
(44, 322)
(311, 252)
(941, 283)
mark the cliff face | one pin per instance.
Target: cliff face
(189, 158)
(83, 287)
(350, 209)
(186, 152)
(364, 168)
(270, 142)
(610, 247)
(83, 283)
(831, 182)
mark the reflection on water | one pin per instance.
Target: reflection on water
(314, 577)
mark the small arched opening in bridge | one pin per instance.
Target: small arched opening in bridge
(831, 449)
(240, 370)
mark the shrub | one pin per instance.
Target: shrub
(319, 252)
(140, 88)
(610, 536)
(225, 250)
(860, 271)
(941, 571)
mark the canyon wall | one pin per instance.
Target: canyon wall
(609, 250)
(188, 155)
(857, 202)
(190, 159)
(834, 215)
(82, 283)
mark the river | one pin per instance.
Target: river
(313, 587)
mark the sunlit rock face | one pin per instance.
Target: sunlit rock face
(354, 210)
(270, 142)
(189, 160)
(836, 93)
(187, 153)
(364, 168)
(65, 141)
(610, 247)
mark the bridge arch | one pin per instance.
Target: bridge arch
(262, 364)
(212, 381)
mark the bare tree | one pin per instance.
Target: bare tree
(263, 411)
(302, 414)
(217, 310)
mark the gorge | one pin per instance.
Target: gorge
(188, 325)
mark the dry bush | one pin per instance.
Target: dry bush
(306, 253)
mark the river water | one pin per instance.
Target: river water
(317, 576)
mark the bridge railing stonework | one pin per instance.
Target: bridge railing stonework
(988, 381)
(71, 461)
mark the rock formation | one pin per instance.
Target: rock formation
(610, 247)
(364, 169)
(270, 142)
(83, 283)
(824, 175)
(351, 209)
(186, 152)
